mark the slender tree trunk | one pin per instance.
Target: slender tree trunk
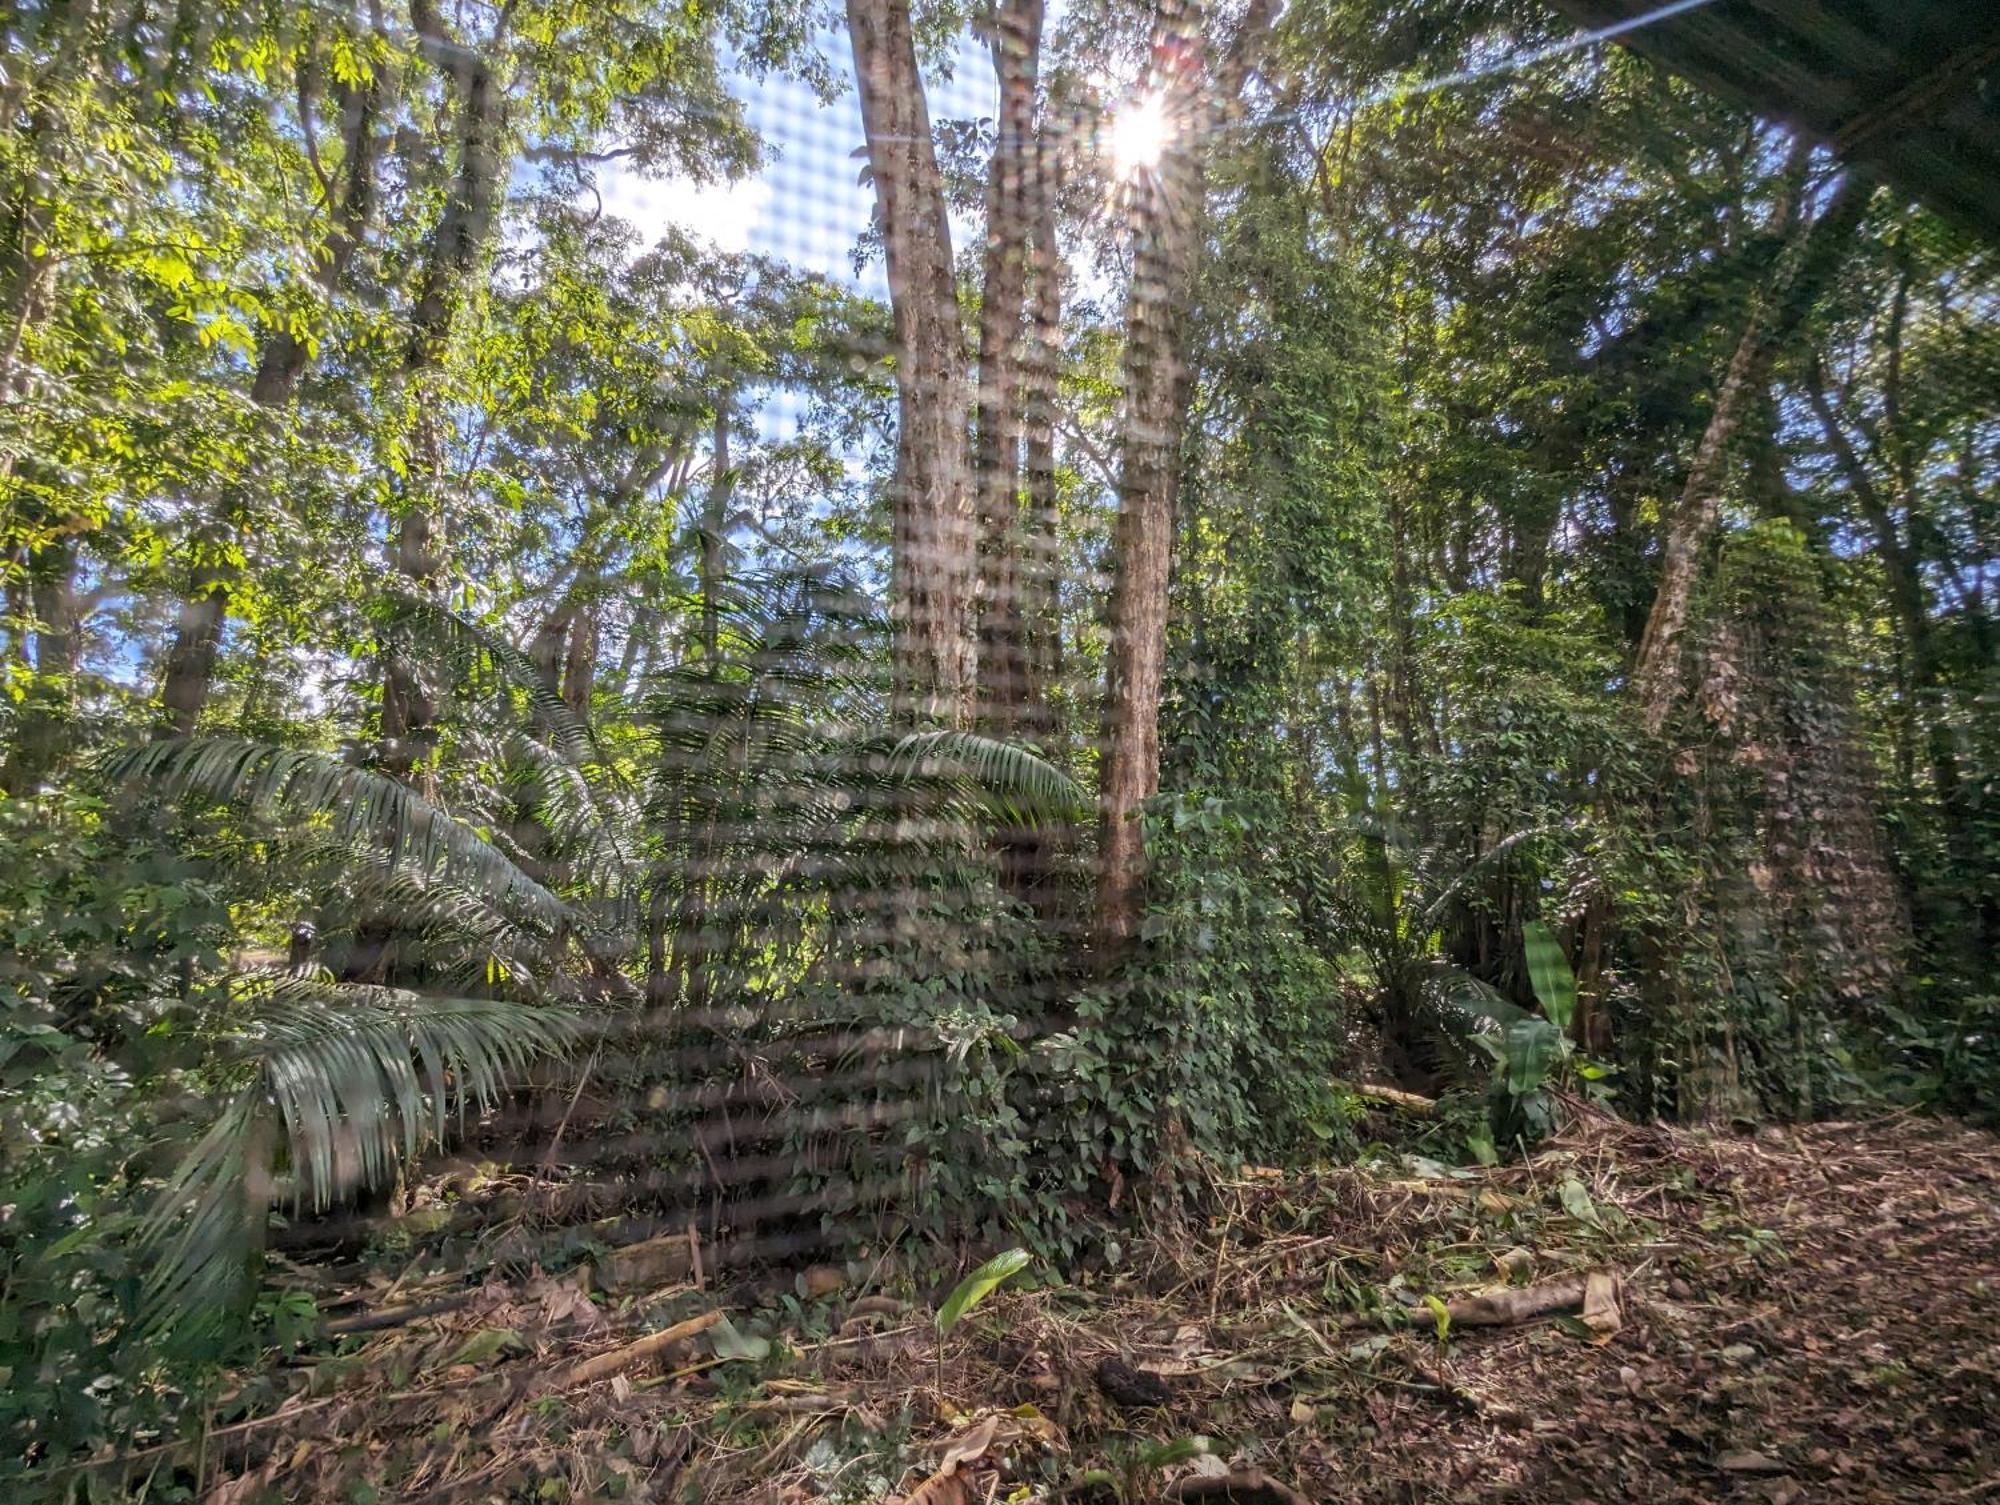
(1005, 686)
(1041, 570)
(42, 724)
(189, 671)
(46, 598)
(714, 529)
(1810, 255)
(1167, 233)
(409, 707)
(934, 541)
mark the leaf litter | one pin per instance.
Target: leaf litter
(1806, 1314)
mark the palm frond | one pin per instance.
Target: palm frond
(1014, 781)
(207, 1223)
(362, 805)
(586, 822)
(453, 918)
(466, 645)
(362, 1077)
(1434, 910)
(356, 1080)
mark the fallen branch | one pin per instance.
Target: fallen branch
(1396, 1097)
(397, 1316)
(1507, 1306)
(1249, 1486)
(620, 1359)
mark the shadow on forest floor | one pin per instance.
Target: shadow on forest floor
(1805, 1315)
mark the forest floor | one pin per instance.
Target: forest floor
(1800, 1315)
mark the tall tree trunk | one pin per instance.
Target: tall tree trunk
(714, 530)
(579, 679)
(1811, 253)
(409, 707)
(1005, 687)
(1041, 571)
(1921, 669)
(189, 671)
(45, 599)
(1167, 232)
(933, 567)
(42, 726)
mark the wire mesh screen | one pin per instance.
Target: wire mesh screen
(742, 647)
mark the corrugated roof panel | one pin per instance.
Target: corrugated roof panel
(1911, 89)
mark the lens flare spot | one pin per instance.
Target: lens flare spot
(1138, 135)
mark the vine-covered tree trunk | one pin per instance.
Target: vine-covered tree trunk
(714, 527)
(41, 726)
(1166, 226)
(932, 571)
(1041, 606)
(409, 708)
(1811, 253)
(47, 556)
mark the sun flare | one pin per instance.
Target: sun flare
(1138, 134)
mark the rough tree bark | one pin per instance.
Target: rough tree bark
(933, 565)
(1005, 685)
(1166, 226)
(714, 530)
(1040, 570)
(1811, 252)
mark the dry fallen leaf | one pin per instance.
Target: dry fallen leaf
(1600, 1305)
(945, 1487)
(969, 1445)
(1749, 1461)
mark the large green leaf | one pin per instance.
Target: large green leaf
(980, 1284)
(355, 1080)
(1549, 969)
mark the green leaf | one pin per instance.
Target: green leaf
(1164, 1454)
(1549, 969)
(980, 1284)
(1576, 1202)
(728, 1343)
(484, 1344)
(1440, 1316)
